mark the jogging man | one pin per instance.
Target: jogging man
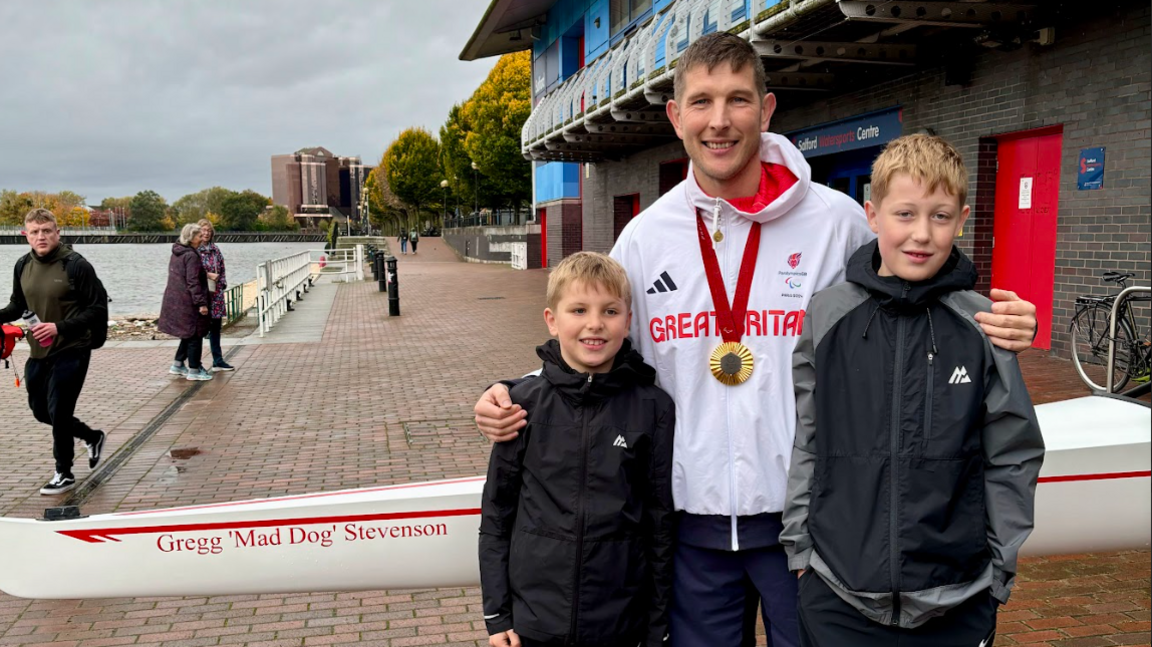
(61, 289)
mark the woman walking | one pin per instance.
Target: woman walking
(213, 262)
(414, 238)
(403, 238)
(184, 313)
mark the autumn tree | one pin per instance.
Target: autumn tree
(412, 167)
(148, 211)
(240, 211)
(278, 219)
(385, 209)
(494, 117)
(195, 206)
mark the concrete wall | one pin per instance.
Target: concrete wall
(515, 245)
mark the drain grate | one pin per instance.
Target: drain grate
(443, 434)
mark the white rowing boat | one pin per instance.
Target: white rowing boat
(1094, 495)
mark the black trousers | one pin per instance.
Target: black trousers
(828, 621)
(526, 642)
(54, 384)
(214, 326)
(414, 244)
(190, 349)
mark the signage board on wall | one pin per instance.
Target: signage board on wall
(1090, 174)
(546, 71)
(863, 131)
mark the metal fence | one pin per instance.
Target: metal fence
(282, 280)
(499, 218)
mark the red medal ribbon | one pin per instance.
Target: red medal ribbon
(731, 317)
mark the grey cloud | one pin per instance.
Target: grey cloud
(113, 97)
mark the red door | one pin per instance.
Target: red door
(542, 218)
(1024, 225)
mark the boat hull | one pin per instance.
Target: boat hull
(1094, 495)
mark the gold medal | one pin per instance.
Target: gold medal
(731, 363)
(717, 236)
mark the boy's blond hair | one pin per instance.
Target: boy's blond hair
(589, 268)
(40, 217)
(927, 158)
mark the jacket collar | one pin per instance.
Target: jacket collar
(56, 254)
(958, 273)
(628, 370)
(774, 149)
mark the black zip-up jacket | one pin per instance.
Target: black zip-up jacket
(917, 448)
(576, 536)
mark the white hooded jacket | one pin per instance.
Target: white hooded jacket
(733, 443)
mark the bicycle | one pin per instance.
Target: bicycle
(1090, 337)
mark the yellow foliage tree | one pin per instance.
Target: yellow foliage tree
(494, 116)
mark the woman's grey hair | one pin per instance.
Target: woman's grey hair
(186, 234)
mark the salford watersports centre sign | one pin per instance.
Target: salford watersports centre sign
(873, 129)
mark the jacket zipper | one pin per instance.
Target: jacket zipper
(897, 389)
(928, 400)
(572, 638)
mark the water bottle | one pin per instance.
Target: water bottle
(30, 319)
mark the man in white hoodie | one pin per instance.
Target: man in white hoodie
(723, 267)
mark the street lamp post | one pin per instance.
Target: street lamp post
(444, 199)
(476, 191)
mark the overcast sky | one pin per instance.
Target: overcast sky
(111, 97)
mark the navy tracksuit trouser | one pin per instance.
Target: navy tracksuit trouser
(710, 591)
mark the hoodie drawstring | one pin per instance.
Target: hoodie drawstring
(715, 222)
(932, 331)
(869, 324)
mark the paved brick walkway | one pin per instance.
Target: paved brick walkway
(378, 401)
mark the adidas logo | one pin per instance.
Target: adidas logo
(620, 442)
(960, 376)
(663, 284)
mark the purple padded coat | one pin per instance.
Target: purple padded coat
(187, 290)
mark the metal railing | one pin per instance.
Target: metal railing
(233, 303)
(279, 281)
(341, 265)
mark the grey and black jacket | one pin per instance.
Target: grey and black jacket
(917, 449)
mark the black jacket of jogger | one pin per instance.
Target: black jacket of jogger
(577, 531)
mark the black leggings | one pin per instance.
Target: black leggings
(190, 349)
(54, 384)
(214, 326)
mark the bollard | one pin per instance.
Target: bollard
(374, 262)
(393, 287)
(381, 274)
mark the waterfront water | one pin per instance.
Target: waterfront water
(135, 275)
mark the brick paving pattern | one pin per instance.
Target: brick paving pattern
(381, 401)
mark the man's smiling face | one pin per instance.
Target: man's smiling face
(720, 115)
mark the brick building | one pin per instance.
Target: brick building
(317, 179)
(1039, 97)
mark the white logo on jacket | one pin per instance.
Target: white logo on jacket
(960, 376)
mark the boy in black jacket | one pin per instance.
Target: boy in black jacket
(917, 448)
(576, 537)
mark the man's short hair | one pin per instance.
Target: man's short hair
(589, 268)
(186, 234)
(714, 49)
(927, 158)
(40, 216)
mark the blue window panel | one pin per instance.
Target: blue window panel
(711, 23)
(557, 180)
(740, 13)
(659, 5)
(595, 38)
(682, 44)
(766, 4)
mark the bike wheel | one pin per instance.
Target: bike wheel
(1090, 348)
